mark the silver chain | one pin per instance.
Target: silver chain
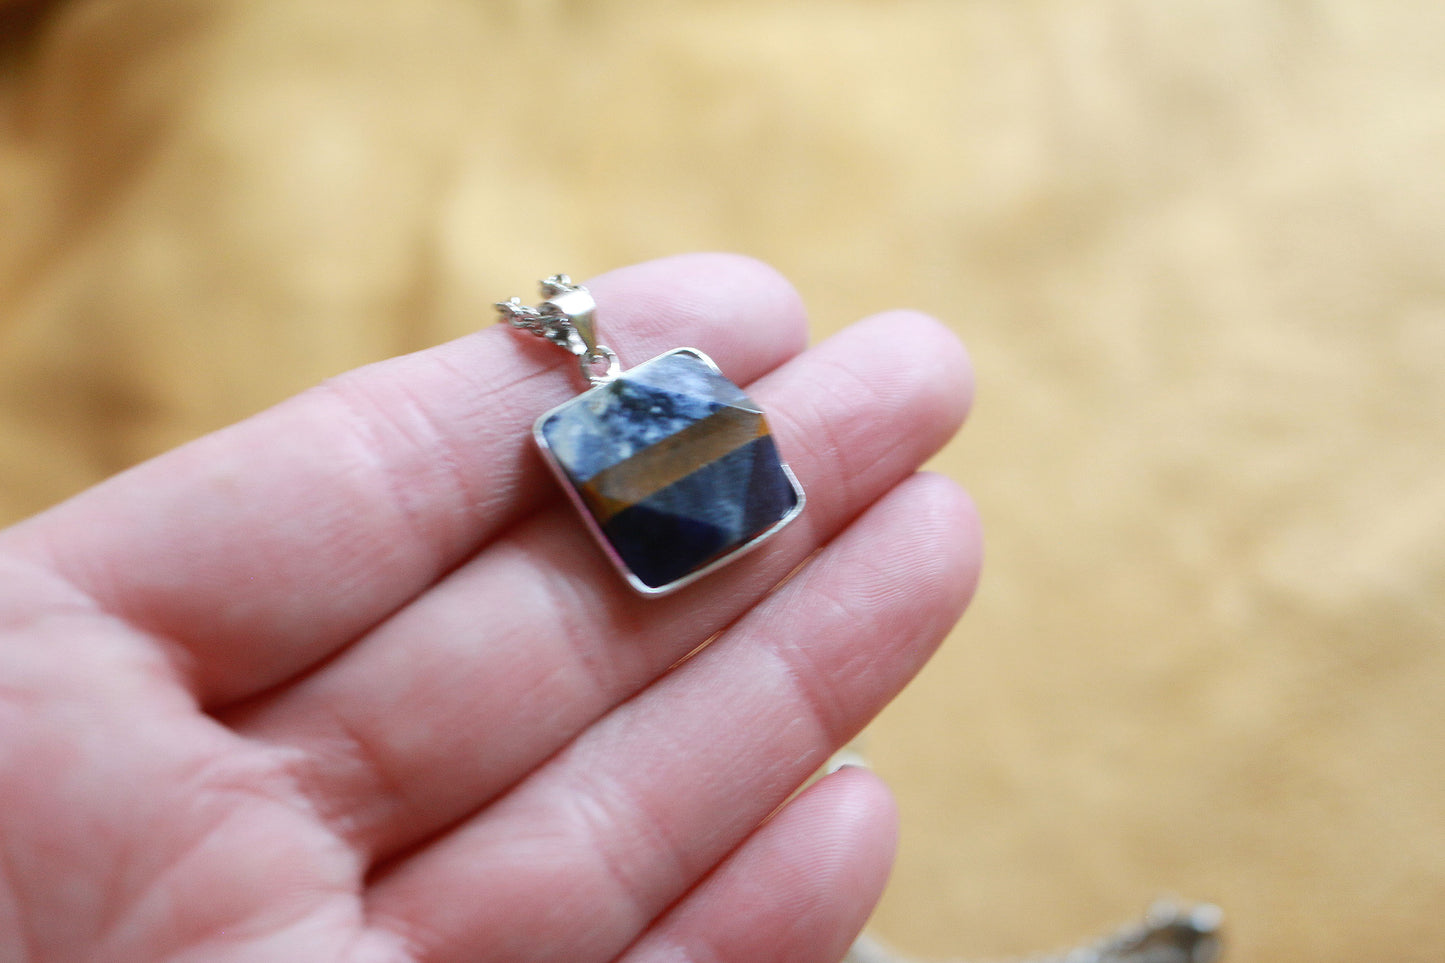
(565, 318)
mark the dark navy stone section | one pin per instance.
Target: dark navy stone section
(772, 494)
(660, 547)
(720, 507)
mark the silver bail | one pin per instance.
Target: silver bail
(575, 303)
(566, 319)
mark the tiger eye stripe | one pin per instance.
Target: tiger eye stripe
(675, 467)
(677, 456)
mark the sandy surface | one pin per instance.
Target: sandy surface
(1197, 248)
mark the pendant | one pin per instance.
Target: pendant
(672, 465)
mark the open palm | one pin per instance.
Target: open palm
(349, 682)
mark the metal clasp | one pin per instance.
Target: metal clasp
(567, 319)
(575, 303)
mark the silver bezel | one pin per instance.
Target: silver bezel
(638, 586)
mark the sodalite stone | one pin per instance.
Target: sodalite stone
(674, 465)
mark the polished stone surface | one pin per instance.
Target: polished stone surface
(675, 464)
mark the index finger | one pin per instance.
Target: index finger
(261, 549)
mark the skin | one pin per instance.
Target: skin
(348, 681)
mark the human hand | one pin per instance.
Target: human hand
(349, 681)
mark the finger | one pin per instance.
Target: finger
(798, 891)
(591, 848)
(262, 548)
(519, 650)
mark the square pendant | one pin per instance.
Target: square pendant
(673, 467)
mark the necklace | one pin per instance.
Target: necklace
(672, 466)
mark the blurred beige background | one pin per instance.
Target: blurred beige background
(1197, 247)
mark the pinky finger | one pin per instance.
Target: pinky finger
(797, 891)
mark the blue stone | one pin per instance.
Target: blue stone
(674, 466)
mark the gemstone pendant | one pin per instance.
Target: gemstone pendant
(672, 465)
